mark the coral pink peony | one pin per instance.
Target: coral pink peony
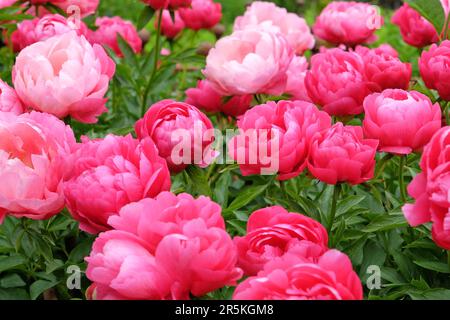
(383, 68)
(39, 29)
(293, 277)
(202, 14)
(348, 23)
(249, 62)
(34, 160)
(430, 189)
(109, 27)
(402, 121)
(78, 8)
(110, 173)
(170, 28)
(415, 29)
(296, 74)
(64, 75)
(274, 138)
(341, 154)
(182, 133)
(206, 98)
(271, 232)
(337, 82)
(157, 4)
(433, 66)
(267, 16)
(9, 101)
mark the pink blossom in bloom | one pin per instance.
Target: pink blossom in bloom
(6, 3)
(202, 14)
(170, 28)
(292, 277)
(341, 154)
(179, 131)
(274, 138)
(266, 15)
(35, 153)
(157, 4)
(175, 4)
(348, 23)
(64, 75)
(248, 62)
(433, 66)
(402, 121)
(296, 74)
(78, 8)
(205, 97)
(430, 189)
(9, 101)
(110, 27)
(271, 232)
(110, 173)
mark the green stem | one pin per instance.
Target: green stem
(332, 215)
(382, 164)
(448, 258)
(401, 168)
(446, 113)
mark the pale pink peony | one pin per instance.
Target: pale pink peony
(267, 16)
(35, 153)
(274, 138)
(249, 62)
(64, 76)
(110, 27)
(6, 3)
(170, 28)
(9, 101)
(348, 23)
(271, 232)
(111, 173)
(202, 14)
(293, 277)
(296, 74)
(402, 121)
(341, 154)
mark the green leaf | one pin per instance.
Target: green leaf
(348, 203)
(14, 294)
(145, 17)
(128, 53)
(39, 286)
(245, 197)
(433, 265)
(386, 222)
(11, 262)
(221, 192)
(53, 265)
(11, 281)
(432, 294)
(431, 10)
(199, 180)
(81, 250)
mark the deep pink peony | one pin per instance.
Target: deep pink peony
(110, 27)
(271, 232)
(77, 8)
(415, 29)
(182, 133)
(249, 62)
(110, 173)
(39, 29)
(293, 277)
(433, 66)
(170, 28)
(34, 160)
(274, 138)
(267, 16)
(430, 189)
(402, 121)
(341, 154)
(202, 14)
(157, 4)
(296, 74)
(205, 97)
(175, 4)
(337, 82)
(348, 23)
(9, 101)
(383, 68)
(64, 75)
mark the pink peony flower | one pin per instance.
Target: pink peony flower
(267, 16)
(181, 132)
(64, 75)
(111, 173)
(293, 277)
(296, 74)
(249, 62)
(341, 154)
(170, 28)
(433, 68)
(202, 14)
(34, 160)
(271, 232)
(415, 29)
(157, 4)
(6, 3)
(78, 8)
(9, 101)
(348, 23)
(337, 82)
(206, 98)
(430, 189)
(402, 121)
(175, 4)
(39, 29)
(384, 69)
(274, 138)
